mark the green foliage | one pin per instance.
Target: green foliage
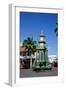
(29, 44)
(56, 29)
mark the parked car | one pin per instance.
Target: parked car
(55, 64)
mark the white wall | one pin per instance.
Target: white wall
(4, 45)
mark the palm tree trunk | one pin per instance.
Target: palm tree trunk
(31, 61)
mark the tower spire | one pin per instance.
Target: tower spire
(42, 39)
(42, 32)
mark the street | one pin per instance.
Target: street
(30, 73)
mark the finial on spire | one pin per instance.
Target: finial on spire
(41, 32)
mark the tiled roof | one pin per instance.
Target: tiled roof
(23, 50)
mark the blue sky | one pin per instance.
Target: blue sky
(31, 24)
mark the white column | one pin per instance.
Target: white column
(40, 55)
(31, 61)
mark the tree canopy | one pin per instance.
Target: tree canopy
(29, 44)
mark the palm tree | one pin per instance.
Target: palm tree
(56, 29)
(30, 44)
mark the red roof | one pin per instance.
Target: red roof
(23, 50)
